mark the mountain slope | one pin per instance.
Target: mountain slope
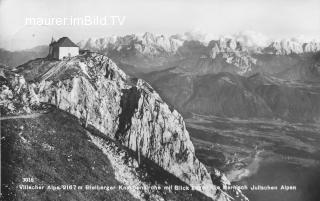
(229, 95)
(92, 88)
(54, 150)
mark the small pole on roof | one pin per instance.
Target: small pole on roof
(52, 39)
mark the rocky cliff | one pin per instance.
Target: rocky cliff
(92, 88)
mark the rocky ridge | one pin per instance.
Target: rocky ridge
(287, 47)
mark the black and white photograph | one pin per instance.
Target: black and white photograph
(160, 100)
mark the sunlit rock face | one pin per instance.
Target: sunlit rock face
(92, 88)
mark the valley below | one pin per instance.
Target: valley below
(261, 152)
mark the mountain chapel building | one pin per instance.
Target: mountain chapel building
(63, 48)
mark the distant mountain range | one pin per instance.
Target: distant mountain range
(286, 47)
(155, 45)
(156, 52)
(149, 52)
(227, 77)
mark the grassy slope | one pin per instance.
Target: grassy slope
(53, 149)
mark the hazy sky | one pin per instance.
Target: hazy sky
(273, 18)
